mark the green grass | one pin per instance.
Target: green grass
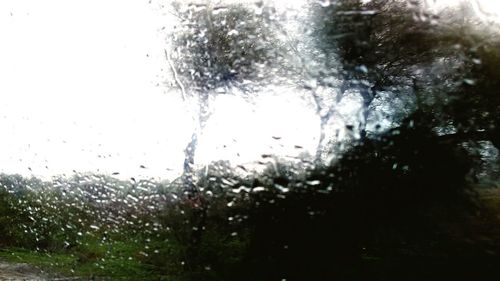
(130, 256)
(123, 260)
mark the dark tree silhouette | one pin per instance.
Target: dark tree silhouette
(447, 63)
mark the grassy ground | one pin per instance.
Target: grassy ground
(125, 259)
(118, 260)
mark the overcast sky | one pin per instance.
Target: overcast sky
(82, 87)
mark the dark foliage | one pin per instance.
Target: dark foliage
(449, 66)
(386, 199)
(381, 212)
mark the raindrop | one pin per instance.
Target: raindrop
(470, 82)
(324, 3)
(282, 188)
(133, 198)
(258, 189)
(233, 32)
(313, 182)
(362, 68)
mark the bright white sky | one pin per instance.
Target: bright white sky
(78, 91)
(81, 88)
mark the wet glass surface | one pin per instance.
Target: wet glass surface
(249, 140)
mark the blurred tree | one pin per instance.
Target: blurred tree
(8, 219)
(217, 48)
(448, 63)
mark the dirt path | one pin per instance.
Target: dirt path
(19, 272)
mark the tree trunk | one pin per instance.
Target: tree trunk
(188, 180)
(188, 175)
(322, 136)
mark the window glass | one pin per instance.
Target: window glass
(249, 140)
